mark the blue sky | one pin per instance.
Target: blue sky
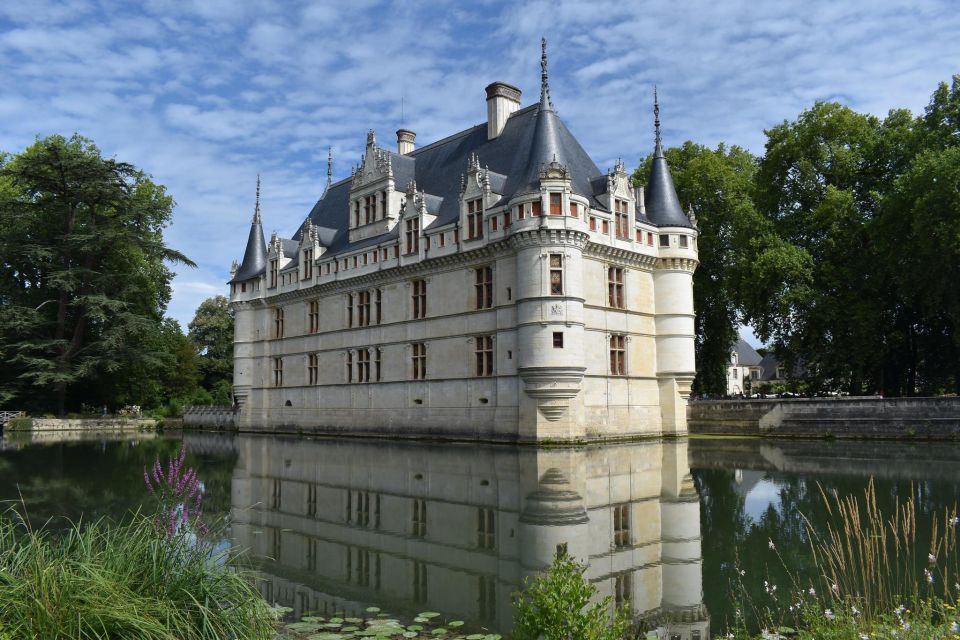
(204, 94)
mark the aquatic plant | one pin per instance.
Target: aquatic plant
(556, 606)
(179, 494)
(107, 580)
(376, 624)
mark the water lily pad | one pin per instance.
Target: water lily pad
(304, 627)
(439, 631)
(373, 609)
(455, 623)
(428, 614)
(414, 627)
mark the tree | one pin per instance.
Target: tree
(718, 185)
(83, 270)
(212, 332)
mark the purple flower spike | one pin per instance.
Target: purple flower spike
(146, 480)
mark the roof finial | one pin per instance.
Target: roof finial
(329, 165)
(256, 206)
(545, 101)
(656, 116)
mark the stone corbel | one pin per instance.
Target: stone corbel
(552, 387)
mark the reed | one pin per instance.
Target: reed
(127, 580)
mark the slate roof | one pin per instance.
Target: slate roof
(747, 356)
(662, 203)
(532, 137)
(255, 257)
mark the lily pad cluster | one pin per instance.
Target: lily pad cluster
(378, 625)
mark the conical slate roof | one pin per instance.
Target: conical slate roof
(662, 203)
(255, 256)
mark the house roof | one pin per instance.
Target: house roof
(747, 356)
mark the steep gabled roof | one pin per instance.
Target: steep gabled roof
(747, 356)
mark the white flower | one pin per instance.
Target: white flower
(899, 610)
(835, 588)
(829, 614)
(929, 576)
(771, 545)
(854, 611)
(932, 558)
(955, 627)
(953, 521)
(742, 572)
(812, 592)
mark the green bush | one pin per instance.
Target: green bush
(556, 606)
(123, 580)
(19, 424)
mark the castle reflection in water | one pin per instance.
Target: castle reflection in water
(342, 525)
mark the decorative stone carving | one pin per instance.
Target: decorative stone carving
(553, 387)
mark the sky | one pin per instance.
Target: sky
(205, 94)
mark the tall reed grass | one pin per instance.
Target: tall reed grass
(125, 580)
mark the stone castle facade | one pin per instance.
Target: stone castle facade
(494, 285)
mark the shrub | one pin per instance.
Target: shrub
(19, 424)
(123, 580)
(556, 606)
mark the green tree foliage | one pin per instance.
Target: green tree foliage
(718, 185)
(84, 279)
(556, 606)
(211, 330)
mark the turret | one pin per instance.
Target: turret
(254, 262)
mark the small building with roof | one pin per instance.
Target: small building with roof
(743, 372)
(493, 285)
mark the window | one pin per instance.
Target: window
(379, 307)
(618, 365)
(311, 500)
(493, 223)
(650, 238)
(615, 287)
(377, 364)
(535, 208)
(313, 369)
(419, 582)
(356, 212)
(419, 359)
(373, 256)
(307, 264)
(487, 597)
(605, 227)
(276, 499)
(313, 316)
(273, 273)
(483, 351)
(664, 240)
(575, 209)
(506, 219)
(484, 287)
(349, 366)
(520, 211)
(621, 526)
(556, 274)
(384, 253)
(363, 309)
(364, 258)
(639, 236)
(442, 240)
(363, 365)
(412, 235)
(556, 204)
(369, 209)
(383, 205)
(355, 261)
(486, 529)
(419, 518)
(558, 339)
(278, 372)
(593, 223)
(622, 586)
(349, 309)
(278, 322)
(683, 242)
(474, 219)
(419, 298)
(622, 220)
(396, 251)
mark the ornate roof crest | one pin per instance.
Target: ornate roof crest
(554, 171)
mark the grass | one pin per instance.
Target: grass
(875, 577)
(126, 580)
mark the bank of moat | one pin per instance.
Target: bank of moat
(494, 285)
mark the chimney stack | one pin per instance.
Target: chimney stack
(639, 195)
(502, 100)
(405, 139)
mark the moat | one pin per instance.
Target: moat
(340, 525)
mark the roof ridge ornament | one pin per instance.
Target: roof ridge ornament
(256, 205)
(329, 168)
(658, 151)
(545, 101)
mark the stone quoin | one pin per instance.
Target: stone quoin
(494, 285)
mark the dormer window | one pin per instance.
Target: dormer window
(622, 221)
(307, 264)
(370, 209)
(412, 235)
(474, 219)
(273, 273)
(556, 204)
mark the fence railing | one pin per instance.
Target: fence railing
(7, 415)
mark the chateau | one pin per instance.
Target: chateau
(494, 285)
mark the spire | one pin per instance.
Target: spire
(329, 169)
(658, 150)
(545, 102)
(662, 204)
(256, 205)
(255, 256)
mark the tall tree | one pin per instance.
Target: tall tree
(212, 332)
(83, 268)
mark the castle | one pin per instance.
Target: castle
(494, 285)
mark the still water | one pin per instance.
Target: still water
(339, 525)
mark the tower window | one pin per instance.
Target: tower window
(556, 204)
(483, 352)
(593, 223)
(605, 227)
(683, 242)
(556, 274)
(535, 208)
(558, 339)
(664, 240)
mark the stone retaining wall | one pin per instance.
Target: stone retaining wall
(861, 417)
(211, 417)
(92, 424)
